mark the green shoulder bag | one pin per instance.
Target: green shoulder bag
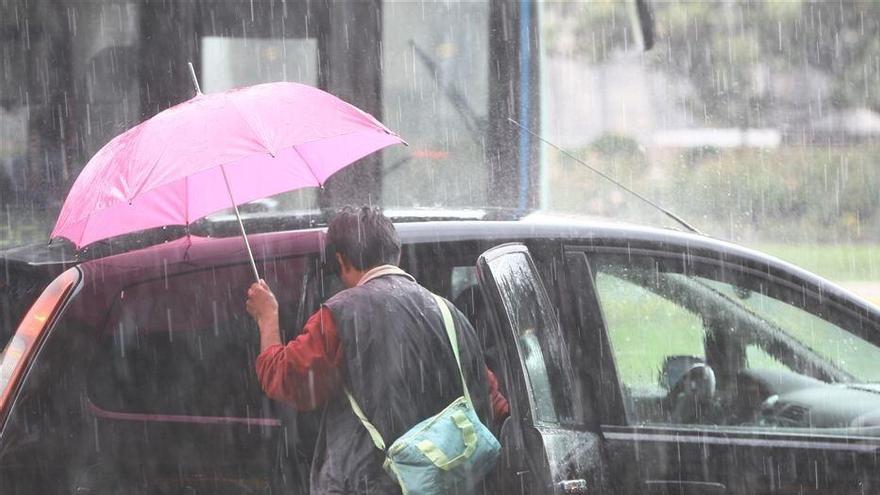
(450, 452)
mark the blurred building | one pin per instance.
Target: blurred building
(75, 74)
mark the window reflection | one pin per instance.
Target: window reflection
(538, 339)
(692, 348)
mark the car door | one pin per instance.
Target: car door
(153, 391)
(730, 376)
(546, 444)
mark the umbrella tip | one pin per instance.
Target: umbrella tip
(192, 72)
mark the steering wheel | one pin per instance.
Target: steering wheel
(690, 399)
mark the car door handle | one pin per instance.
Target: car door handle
(576, 487)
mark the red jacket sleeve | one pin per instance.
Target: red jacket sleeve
(500, 407)
(305, 372)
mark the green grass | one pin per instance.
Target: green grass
(836, 262)
(847, 351)
(645, 328)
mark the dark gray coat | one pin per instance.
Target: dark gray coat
(399, 366)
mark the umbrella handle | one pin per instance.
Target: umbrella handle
(241, 225)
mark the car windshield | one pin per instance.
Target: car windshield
(847, 351)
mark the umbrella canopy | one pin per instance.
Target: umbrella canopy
(172, 168)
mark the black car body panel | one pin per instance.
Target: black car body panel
(146, 382)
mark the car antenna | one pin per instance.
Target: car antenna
(610, 179)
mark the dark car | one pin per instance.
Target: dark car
(636, 360)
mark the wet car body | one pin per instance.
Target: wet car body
(140, 378)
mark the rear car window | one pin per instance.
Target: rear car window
(185, 345)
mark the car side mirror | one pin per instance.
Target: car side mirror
(674, 368)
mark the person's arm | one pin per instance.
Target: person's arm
(305, 372)
(263, 307)
(500, 407)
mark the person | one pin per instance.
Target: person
(383, 340)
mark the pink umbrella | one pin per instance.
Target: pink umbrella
(216, 151)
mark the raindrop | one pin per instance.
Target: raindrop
(215, 319)
(170, 327)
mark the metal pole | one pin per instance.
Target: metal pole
(241, 225)
(192, 72)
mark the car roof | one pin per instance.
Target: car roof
(195, 251)
(60, 253)
(106, 277)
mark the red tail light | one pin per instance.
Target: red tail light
(20, 349)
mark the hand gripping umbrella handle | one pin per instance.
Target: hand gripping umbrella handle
(241, 225)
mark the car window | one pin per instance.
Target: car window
(645, 331)
(462, 278)
(184, 345)
(537, 336)
(848, 352)
(758, 358)
(157, 393)
(693, 344)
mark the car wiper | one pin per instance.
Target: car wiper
(475, 124)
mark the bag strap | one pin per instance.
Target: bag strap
(374, 433)
(449, 324)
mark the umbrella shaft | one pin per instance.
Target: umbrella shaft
(241, 225)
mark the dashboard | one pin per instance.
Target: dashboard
(785, 399)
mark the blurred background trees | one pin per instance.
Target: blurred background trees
(762, 121)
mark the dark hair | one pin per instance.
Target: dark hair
(364, 236)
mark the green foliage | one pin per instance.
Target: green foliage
(611, 144)
(694, 156)
(645, 329)
(727, 49)
(722, 49)
(794, 193)
(839, 262)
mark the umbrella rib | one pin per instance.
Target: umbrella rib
(82, 233)
(153, 156)
(149, 174)
(186, 198)
(257, 133)
(308, 165)
(141, 189)
(132, 142)
(156, 161)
